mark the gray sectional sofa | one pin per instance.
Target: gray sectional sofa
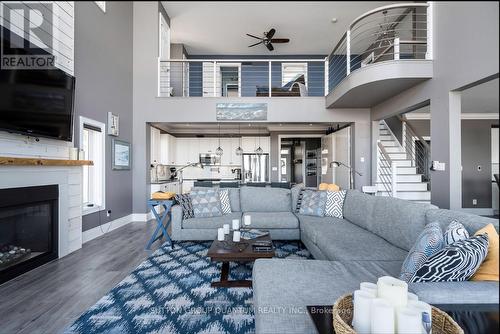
(371, 241)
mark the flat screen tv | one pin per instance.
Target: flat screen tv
(37, 103)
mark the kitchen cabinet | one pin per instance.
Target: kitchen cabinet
(155, 149)
(167, 149)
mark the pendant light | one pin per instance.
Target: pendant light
(219, 151)
(239, 150)
(259, 149)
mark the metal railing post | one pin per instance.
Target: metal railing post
(327, 90)
(430, 12)
(348, 52)
(270, 81)
(396, 48)
(394, 179)
(215, 79)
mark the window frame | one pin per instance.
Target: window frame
(97, 164)
(283, 64)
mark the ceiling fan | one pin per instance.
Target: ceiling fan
(268, 39)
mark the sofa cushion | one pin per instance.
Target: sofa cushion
(282, 288)
(456, 292)
(471, 222)
(341, 240)
(358, 208)
(272, 220)
(210, 222)
(313, 203)
(256, 199)
(398, 221)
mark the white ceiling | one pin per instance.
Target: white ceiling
(219, 27)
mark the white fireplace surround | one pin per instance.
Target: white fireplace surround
(70, 210)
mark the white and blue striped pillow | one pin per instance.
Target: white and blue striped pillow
(224, 201)
(457, 262)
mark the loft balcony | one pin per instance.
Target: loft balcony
(384, 52)
(242, 77)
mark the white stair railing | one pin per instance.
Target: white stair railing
(387, 171)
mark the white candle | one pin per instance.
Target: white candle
(247, 220)
(236, 236)
(393, 290)
(236, 224)
(409, 321)
(220, 234)
(412, 296)
(421, 307)
(226, 228)
(361, 321)
(370, 287)
(382, 317)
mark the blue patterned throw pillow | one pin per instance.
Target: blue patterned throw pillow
(335, 203)
(206, 203)
(313, 203)
(184, 200)
(455, 232)
(455, 263)
(428, 243)
(224, 201)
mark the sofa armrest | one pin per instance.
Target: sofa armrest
(176, 224)
(468, 292)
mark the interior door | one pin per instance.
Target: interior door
(342, 153)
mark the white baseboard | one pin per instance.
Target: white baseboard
(103, 229)
(142, 217)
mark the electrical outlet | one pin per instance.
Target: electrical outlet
(474, 201)
(108, 213)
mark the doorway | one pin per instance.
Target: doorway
(300, 161)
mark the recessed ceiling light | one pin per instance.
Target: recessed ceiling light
(334, 20)
(310, 124)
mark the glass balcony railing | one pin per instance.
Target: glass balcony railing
(242, 78)
(389, 33)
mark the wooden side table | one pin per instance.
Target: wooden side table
(161, 225)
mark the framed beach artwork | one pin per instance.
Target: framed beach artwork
(121, 155)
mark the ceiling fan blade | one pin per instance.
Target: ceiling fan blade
(255, 37)
(280, 40)
(256, 44)
(270, 33)
(269, 46)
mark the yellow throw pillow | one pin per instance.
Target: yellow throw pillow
(488, 271)
(333, 187)
(323, 186)
(328, 187)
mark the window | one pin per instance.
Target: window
(101, 5)
(293, 71)
(92, 142)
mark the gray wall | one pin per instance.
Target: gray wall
(103, 70)
(476, 151)
(149, 108)
(455, 66)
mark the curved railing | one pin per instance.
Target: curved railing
(393, 32)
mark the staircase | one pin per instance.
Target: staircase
(397, 173)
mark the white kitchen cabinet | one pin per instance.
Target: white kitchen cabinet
(155, 145)
(193, 150)
(182, 152)
(250, 144)
(172, 150)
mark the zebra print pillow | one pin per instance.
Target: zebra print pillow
(224, 201)
(184, 201)
(455, 232)
(299, 200)
(335, 203)
(457, 262)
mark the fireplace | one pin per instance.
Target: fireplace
(28, 229)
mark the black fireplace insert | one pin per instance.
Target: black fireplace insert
(28, 229)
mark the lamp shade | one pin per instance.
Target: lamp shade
(239, 150)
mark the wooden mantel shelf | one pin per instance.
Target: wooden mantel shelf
(11, 161)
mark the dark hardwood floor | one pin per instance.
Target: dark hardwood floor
(51, 297)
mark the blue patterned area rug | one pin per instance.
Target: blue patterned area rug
(170, 292)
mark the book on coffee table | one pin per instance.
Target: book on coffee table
(253, 234)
